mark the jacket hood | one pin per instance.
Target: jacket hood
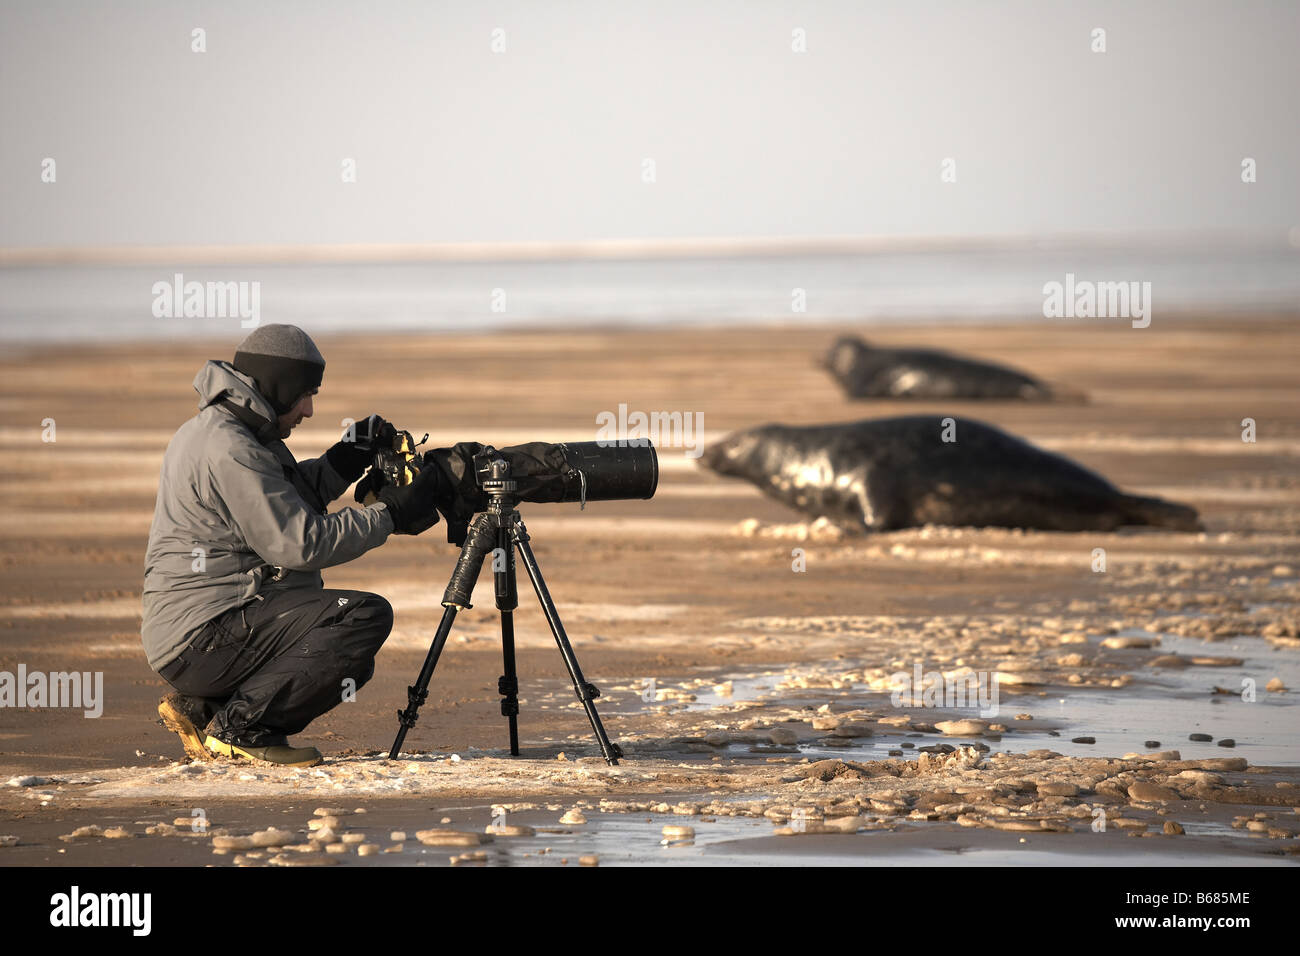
(218, 378)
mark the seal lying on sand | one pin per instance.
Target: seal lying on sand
(866, 372)
(887, 473)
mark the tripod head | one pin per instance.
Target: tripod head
(493, 474)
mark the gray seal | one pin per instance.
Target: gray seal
(888, 473)
(866, 372)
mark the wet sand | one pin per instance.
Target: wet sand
(694, 589)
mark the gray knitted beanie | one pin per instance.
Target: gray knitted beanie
(284, 362)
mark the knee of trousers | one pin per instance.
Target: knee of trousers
(373, 615)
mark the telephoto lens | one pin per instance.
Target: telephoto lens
(577, 471)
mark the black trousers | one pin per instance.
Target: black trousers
(256, 674)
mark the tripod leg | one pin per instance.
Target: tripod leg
(478, 542)
(507, 595)
(586, 692)
(418, 692)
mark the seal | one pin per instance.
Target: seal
(866, 372)
(888, 473)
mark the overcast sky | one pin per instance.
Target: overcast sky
(548, 140)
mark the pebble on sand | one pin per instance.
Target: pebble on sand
(1162, 755)
(844, 824)
(962, 728)
(272, 837)
(1057, 788)
(232, 843)
(589, 859)
(783, 736)
(509, 830)
(1275, 686)
(8, 840)
(1227, 742)
(82, 833)
(1144, 792)
(853, 728)
(298, 859)
(437, 837)
(470, 856)
(1200, 738)
(1198, 776)
(1173, 829)
(1121, 642)
(573, 817)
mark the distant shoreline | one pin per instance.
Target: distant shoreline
(618, 248)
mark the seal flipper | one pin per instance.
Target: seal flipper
(883, 504)
(1159, 513)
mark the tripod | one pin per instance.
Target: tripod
(498, 531)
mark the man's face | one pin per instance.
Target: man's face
(290, 419)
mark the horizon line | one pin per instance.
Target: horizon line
(605, 249)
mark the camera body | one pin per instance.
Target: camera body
(399, 464)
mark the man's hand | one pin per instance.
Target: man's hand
(414, 506)
(368, 488)
(372, 433)
(352, 455)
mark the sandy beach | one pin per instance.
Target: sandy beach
(753, 701)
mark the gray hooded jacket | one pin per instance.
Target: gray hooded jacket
(229, 520)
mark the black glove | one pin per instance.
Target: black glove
(351, 456)
(459, 496)
(371, 484)
(373, 433)
(414, 507)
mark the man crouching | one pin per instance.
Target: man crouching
(236, 615)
